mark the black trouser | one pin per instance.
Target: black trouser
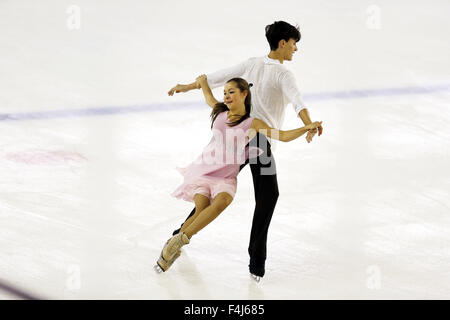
(266, 195)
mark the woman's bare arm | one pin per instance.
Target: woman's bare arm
(282, 135)
(209, 97)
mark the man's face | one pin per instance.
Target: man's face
(289, 48)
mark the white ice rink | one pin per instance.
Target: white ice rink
(89, 142)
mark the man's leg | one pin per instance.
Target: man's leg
(266, 195)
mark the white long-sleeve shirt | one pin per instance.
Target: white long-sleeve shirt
(274, 87)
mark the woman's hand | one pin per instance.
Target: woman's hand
(312, 133)
(314, 125)
(209, 97)
(201, 80)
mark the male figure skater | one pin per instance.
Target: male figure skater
(274, 86)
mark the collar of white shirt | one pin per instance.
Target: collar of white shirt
(271, 61)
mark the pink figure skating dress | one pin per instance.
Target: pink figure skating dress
(216, 169)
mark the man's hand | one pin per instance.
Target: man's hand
(178, 88)
(183, 88)
(304, 115)
(312, 133)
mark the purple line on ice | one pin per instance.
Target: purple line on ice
(320, 96)
(369, 93)
(98, 111)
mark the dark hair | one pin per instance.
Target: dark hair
(221, 107)
(280, 30)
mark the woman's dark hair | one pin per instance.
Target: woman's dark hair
(221, 107)
(280, 30)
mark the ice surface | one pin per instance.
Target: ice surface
(363, 212)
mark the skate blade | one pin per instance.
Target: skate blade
(165, 265)
(256, 278)
(158, 269)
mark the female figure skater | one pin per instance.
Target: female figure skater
(210, 181)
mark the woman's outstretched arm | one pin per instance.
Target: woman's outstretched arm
(282, 135)
(209, 97)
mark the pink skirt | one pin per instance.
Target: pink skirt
(208, 186)
(201, 179)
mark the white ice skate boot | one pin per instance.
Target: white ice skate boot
(171, 251)
(255, 277)
(173, 245)
(163, 265)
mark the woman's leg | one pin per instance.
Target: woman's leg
(203, 218)
(198, 207)
(201, 202)
(189, 216)
(194, 210)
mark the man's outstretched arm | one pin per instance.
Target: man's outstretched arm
(184, 88)
(215, 79)
(290, 89)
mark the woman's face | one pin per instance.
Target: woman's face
(233, 97)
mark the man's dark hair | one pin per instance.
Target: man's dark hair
(280, 30)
